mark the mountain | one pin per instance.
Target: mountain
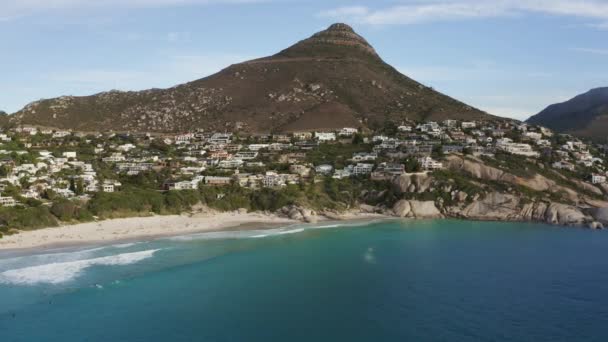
(585, 115)
(4, 118)
(333, 79)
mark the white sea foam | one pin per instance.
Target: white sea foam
(126, 245)
(328, 226)
(279, 232)
(370, 255)
(61, 272)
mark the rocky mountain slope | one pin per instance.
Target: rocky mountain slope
(330, 80)
(471, 189)
(585, 115)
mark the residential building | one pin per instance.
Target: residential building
(363, 169)
(428, 163)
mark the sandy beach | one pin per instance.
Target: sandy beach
(139, 228)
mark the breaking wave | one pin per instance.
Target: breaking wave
(61, 272)
(279, 232)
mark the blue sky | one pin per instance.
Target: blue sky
(508, 57)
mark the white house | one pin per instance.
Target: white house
(61, 134)
(125, 147)
(69, 154)
(109, 186)
(517, 149)
(598, 179)
(325, 136)
(363, 169)
(324, 169)
(115, 157)
(347, 131)
(364, 156)
(7, 201)
(428, 163)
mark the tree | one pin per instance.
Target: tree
(358, 139)
(5, 170)
(412, 165)
(64, 210)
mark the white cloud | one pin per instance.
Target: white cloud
(591, 50)
(414, 12)
(177, 37)
(10, 9)
(600, 26)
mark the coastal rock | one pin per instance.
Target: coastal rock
(402, 208)
(495, 206)
(478, 169)
(566, 215)
(596, 225)
(332, 215)
(292, 212)
(409, 183)
(588, 187)
(424, 209)
(600, 215)
(308, 215)
(369, 209)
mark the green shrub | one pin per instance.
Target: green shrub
(64, 210)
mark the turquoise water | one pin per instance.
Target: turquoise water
(382, 281)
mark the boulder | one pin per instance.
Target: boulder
(418, 182)
(495, 206)
(402, 208)
(368, 209)
(596, 225)
(565, 215)
(424, 209)
(600, 215)
(308, 215)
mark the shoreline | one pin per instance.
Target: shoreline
(149, 228)
(135, 229)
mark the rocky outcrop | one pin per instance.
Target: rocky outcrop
(506, 207)
(600, 214)
(298, 213)
(588, 187)
(495, 206)
(413, 183)
(340, 35)
(565, 215)
(416, 209)
(425, 209)
(402, 208)
(478, 169)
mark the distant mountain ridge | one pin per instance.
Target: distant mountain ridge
(333, 79)
(585, 115)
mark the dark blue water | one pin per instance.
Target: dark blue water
(384, 281)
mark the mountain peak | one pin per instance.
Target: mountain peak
(334, 41)
(332, 79)
(340, 27)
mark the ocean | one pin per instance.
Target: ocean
(374, 281)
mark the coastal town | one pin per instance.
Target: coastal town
(39, 166)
